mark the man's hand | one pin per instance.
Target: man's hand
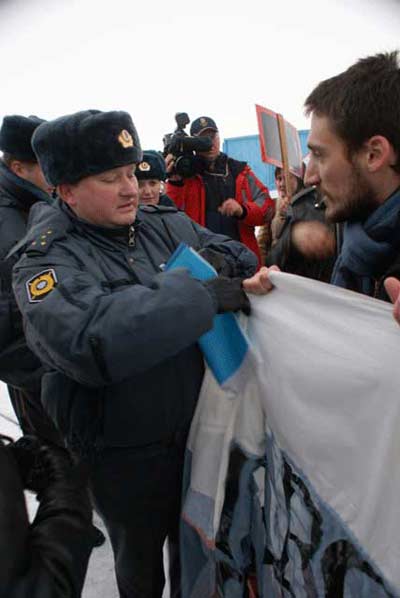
(231, 207)
(259, 284)
(169, 162)
(228, 294)
(169, 166)
(392, 286)
(217, 261)
(313, 239)
(39, 464)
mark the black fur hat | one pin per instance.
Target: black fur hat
(151, 167)
(73, 147)
(16, 134)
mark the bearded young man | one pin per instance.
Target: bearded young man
(355, 165)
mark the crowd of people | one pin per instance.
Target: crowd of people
(98, 342)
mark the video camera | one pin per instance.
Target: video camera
(183, 148)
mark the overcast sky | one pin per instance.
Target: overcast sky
(156, 57)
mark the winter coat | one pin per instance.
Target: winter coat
(253, 196)
(116, 333)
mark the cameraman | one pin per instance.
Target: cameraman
(227, 197)
(49, 557)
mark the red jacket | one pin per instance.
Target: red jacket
(249, 192)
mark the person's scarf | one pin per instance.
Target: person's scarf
(369, 248)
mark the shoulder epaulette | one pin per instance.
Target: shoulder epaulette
(42, 234)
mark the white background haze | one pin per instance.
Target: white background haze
(154, 58)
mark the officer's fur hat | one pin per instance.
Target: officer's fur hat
(152, 166)
(73, 147)
(16, 134)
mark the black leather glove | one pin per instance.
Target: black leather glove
(228, 294)
(40, 464)
(217, 261)
(25, 451)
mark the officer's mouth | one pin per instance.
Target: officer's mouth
(127, 207)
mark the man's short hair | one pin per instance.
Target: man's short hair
(363, 101)
(8, 159)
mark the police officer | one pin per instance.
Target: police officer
(22, 184)
(117, 334)
(151, 175)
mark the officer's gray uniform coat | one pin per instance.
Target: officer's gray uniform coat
(118, 335)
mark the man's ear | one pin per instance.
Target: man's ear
(66, 192)
(379, 153)
(17, 168)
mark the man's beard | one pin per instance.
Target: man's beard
(360, 201)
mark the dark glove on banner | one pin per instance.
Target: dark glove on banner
(217, 261)
(228, 294)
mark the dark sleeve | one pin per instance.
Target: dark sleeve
(12, 229)
(18, 365)
(394, 269)
(280, 253)
(97, 335)
(50, 557)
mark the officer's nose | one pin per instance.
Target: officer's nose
(130, 186)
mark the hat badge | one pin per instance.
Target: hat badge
(144, 166)
(125, 139)
(203, 122)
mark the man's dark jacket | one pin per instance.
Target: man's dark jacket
(117, 334)
(18, 365)
(306, 206)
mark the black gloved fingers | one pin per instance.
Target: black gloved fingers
(217, 261)
(228, 294)
(25, 451)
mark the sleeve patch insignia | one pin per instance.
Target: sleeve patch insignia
(40, 285)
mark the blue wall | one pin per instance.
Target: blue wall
(247, 148)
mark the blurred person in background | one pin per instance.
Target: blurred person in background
(268, 233)
(151, 175)
(226, 197)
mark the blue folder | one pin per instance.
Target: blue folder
(224, 346)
